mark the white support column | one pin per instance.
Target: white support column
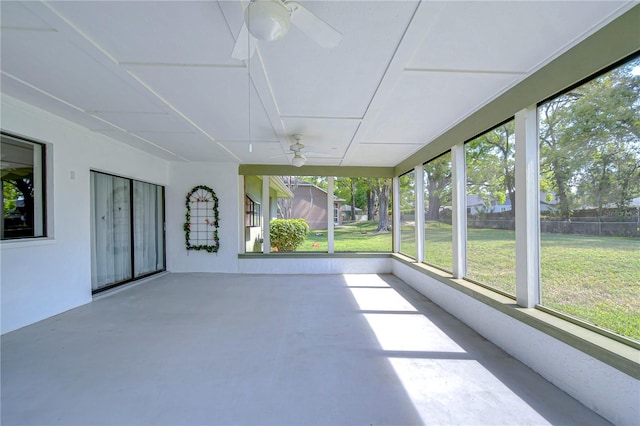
(266, 215)
(330, 203)
(527, 209)
(459, 207)
(242, 245)
(396, 215)
(419, 212)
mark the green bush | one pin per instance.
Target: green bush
(288, 234)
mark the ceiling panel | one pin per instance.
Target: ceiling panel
(160, 122)
(511, 36)
(263, 152)
(191, 146)
(61, 68)
(308, 80)
(321, 161)
(180, 32)
(425, 104)
(34, 97)
(16, 15)
(214, 98)
(380, 155)
(140, 144)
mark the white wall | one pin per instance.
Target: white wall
(45, 277)
(602, 388)
(223, 179)
(319, 265)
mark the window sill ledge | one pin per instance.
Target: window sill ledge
(620, 355)
(315, 255)
(30, 242)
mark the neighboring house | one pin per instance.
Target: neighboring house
(310, 203)
(345, 213)
(475, 205)
(635, 202)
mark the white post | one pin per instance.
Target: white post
(419, 212)
(527, 209)
(396, 215)
(330, 203)
(266, 215)
(459, 210)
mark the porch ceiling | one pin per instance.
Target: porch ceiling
(159, 75)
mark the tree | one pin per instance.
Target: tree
(560, 154)
(285, 205)
(407, 192)
(346, 189)
(590, 142)
(437, 174)
(381, 188)
(19, 185)
(10, 194)
(491, 166)
(371, 204)
(607, 121)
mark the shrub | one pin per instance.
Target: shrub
(288, 234)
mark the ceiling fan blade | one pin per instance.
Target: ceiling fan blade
(288, 154)
(245, 44)
(315, 28)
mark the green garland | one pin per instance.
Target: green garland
(187, 225)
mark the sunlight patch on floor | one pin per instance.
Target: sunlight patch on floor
(431, 366)
(409, 332)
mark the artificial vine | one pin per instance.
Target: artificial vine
(204, 218)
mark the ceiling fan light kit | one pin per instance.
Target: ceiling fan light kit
(298, 159)
(267, 20)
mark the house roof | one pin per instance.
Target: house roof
(374, 100)
(347, 208)
(307, 184)
(282, 191)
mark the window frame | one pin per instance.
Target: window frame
(467, 210)
(42, 212)
(540, 302)
(253, 212)
(425, 201)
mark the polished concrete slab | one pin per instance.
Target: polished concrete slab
(201, 349)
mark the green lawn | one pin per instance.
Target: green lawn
(596, 279)
(358, 237)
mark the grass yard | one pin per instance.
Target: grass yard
(359, 237)
(593, 278)
(596, 279)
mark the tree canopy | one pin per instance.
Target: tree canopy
(590, 142)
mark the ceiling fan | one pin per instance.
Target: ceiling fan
(300, 156)
(268, 20)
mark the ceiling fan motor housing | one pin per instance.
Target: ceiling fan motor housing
(267, 19)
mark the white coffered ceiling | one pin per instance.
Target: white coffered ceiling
(158, 75)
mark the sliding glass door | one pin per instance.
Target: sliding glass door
(148, 228)
(127, 230)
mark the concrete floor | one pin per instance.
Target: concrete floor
(186, 349)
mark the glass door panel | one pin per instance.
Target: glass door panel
(110, 230)
(148, 228)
